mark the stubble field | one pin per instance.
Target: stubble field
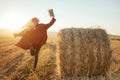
(17, 64)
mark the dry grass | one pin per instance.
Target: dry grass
(83, 52)
(115, 67)
(18, 64)
(46, 64)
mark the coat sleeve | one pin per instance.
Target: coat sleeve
(50, 23)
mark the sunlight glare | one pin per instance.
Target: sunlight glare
(13, 21)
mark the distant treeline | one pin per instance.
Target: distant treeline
(114, 37)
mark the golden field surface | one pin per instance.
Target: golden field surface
(17, 64)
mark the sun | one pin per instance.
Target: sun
(13, 20)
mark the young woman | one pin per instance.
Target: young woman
(34, 36)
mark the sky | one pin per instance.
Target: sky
(68, 13)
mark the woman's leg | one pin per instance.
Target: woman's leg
(32, 50)
(36, 57)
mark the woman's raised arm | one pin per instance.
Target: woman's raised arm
(50, 23)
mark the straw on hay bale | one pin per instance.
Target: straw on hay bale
(83, 52)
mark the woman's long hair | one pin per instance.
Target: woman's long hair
(31, 24)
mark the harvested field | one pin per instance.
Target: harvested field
(17, 64)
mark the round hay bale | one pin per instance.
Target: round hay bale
(82, 52)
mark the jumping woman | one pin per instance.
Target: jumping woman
(34, 36)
